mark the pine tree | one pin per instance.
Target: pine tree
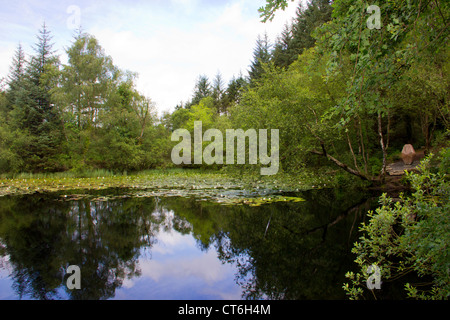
(261, 55)
(297, 37)
(202, 90)
(41, 73)
(17, 72)
(234, 92)
(307, 20)
(218, 92)
(35, 113)
(282, 56)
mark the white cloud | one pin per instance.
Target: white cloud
(6, 54)
(170, 56)
(169, 43)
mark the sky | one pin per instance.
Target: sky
(169, 43)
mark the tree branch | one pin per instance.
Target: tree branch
(341, 165)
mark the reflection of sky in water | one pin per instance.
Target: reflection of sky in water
(6, 283)
(176, 269)
(6, 291)
(173, 269)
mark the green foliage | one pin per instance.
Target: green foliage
(268, 11)
(31, 110)
(202, 90)
(261, 56)
(332, 86)
(299, 36)
(409, 236)
(296, 102)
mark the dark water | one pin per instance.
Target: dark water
(178, 248)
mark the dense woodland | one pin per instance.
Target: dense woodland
(342, 95)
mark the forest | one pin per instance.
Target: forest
(341, 94)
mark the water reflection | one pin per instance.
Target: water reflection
(177, 248)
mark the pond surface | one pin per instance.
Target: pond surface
(173, 248)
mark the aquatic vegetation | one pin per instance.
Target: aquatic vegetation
(204, 185)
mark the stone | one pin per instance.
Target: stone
(408, 154)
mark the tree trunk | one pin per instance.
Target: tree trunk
(342, 165)
(383, 146)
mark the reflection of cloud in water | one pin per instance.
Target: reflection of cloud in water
(5, 264)
(205, 267)
(171, 241)
(177, 265)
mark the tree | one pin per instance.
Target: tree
(261, 56)
(202, 90)
(87, 81)
(108, 122)
(306, 22)
(282, 56)
(234, 92)
(379, 57)
(298, 36)
(9, 160)
(218, 93)
(422, 99)
(33, 112)
(16, 75)
(268, 11)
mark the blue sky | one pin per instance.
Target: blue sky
(169, 43)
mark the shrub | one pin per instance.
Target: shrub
(409, 237)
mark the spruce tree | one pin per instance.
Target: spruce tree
(307, 20)
(16, 76)
(35, 111)
(234, 92)
(202, 90)
(218, 92)
(282, 56)
(261, 55)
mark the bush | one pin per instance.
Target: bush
(409, 237)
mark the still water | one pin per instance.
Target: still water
(174, 248)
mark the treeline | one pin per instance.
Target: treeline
(341, 94)
(83, 114)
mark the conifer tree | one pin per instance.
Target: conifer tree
(218, 93)
(299, 36)
(16, 75)
(234, 91)
(202, 90)
(261, 55)
(282, 56)
(316, 13)
(32, 109)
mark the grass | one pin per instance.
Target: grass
(66, 174)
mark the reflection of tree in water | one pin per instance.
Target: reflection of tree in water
(106, 238)
(31, 240)
(292, 251)
(103, 238)
(281, 250)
